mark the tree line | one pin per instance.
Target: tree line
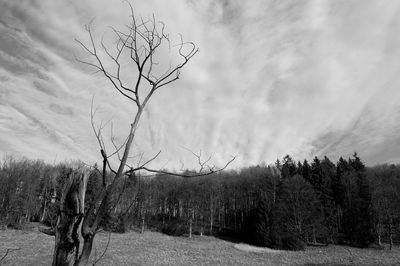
(286, 205)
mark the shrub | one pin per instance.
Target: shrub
(174, 228)
(292, 242)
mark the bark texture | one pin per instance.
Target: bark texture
(72, 206)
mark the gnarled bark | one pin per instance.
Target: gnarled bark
(72, 207)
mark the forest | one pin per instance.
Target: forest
(286, 205)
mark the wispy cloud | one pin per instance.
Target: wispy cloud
(272, 77)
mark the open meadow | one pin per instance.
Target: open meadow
(152, 248)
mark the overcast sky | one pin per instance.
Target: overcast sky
(272, 78)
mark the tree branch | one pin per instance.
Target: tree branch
(105, 250)
(210, 172)
(7, 251)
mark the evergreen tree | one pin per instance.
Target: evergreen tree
(306, 171)
(354, 197)
(289, 168)
(362, 206)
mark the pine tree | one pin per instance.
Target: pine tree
(362, 206)
(289, 168)
(306, 171)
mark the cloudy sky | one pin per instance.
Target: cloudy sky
(272, 78)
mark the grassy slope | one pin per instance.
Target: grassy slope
(153, 248)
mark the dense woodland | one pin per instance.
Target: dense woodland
(286, 205)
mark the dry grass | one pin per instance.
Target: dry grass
(153, 248)
(250, 248)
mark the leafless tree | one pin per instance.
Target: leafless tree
(138, 44)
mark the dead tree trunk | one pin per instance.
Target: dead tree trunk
(390, 234)
(44, 212)
(379, 231)
(86, 250)
(211, 225)
(191, 218)
(314, 237)
(201, 224)
(143, 224)
(72, 206)
(211, 215)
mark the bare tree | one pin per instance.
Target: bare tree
(138, 44)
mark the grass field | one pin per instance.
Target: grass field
(153, 248)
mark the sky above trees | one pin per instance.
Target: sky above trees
(272, 78)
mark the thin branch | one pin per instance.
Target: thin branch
(117, 149)
(84, 46)
(92, 114)
(201, 163)
(100, 65)
(140, 159)
(100, 140)
(186, 57)
(143, 165)
(115, 60)
(150, 160)
(105, 250)
(7, 251)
